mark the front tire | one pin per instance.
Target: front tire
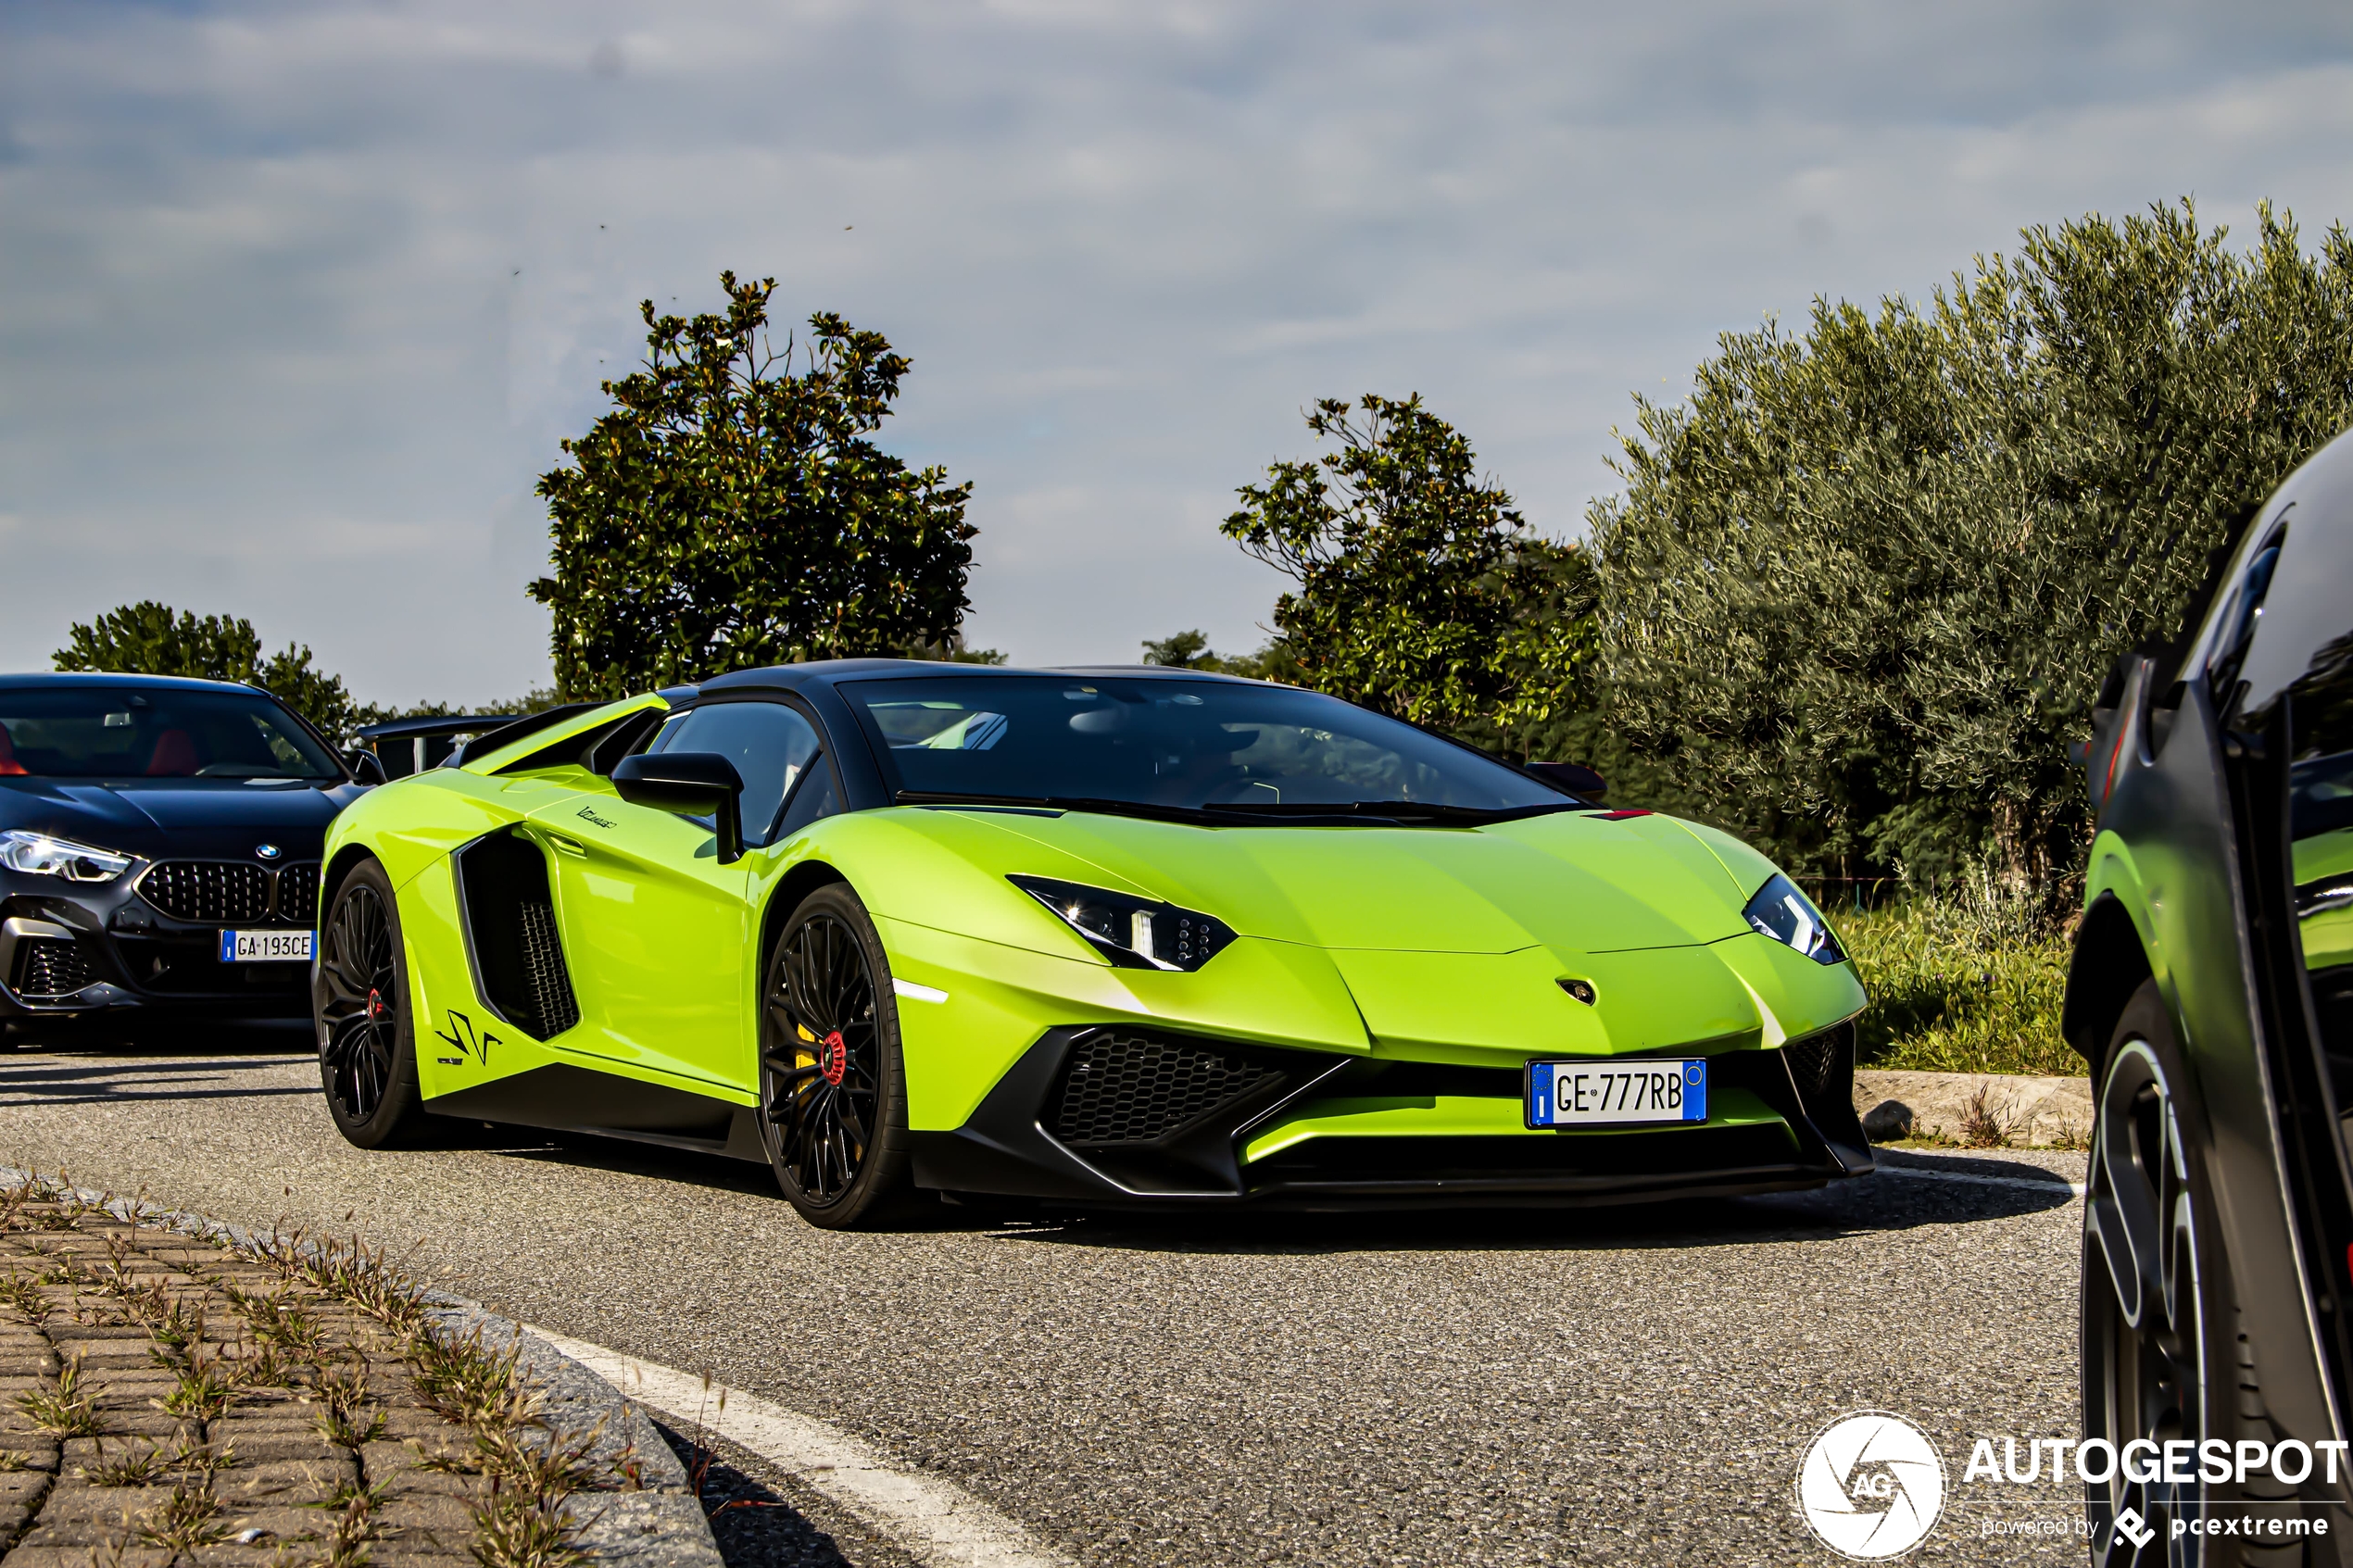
(2152, 1360)
(833, 1088)
(359, 1002)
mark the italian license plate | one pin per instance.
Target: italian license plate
(1600, 1092)
(265, 947)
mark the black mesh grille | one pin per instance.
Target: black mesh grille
(49, 968)
(1814, 1063)
(1123, 1089)
(1823, 1068)
(543, 957)
(208, 890)
(298, 895)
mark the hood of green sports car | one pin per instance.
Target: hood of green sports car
(1570, 881)
(1434, 943)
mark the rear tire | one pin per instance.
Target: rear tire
(833, 1086)
(360, 1003)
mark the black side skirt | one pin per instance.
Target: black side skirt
(579, 1100)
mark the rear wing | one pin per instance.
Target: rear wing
(411, 746)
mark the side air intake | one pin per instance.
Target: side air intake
(510, 934)
(1126, 1089)
(1822, 1069)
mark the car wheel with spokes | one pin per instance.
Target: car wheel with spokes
(2146, 1334)
(832, 1087)
(359, 1002)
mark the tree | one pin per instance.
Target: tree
(1865, 582)
(1422, 591)
(730, 511)
(149, 638)
(1191, 650)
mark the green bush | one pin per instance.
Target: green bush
(1965, 983)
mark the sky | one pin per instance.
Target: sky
(297, 299)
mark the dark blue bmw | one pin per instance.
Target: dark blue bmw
(160, 843)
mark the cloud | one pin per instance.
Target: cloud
(299, 298)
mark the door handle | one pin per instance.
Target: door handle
(566, 847)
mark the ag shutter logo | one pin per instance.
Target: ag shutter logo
(1872, 1485)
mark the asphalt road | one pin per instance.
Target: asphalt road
(1630, 1386)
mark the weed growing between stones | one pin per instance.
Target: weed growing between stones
(70, 1410)
(292, 1342)
(530, 1471)
(187, 1521)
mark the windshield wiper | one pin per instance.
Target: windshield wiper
(1303, 811)
(1392, 810)
(1049, 803)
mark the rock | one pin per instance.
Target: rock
(1887, 1120)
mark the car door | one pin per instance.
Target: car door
(659, 934)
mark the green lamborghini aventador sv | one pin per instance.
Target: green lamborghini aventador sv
(1088, 937)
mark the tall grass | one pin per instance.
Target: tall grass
(1967, 981)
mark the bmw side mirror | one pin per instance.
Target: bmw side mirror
(1571, 778)
(693, 784)
(366, 767)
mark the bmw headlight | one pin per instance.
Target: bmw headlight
(23, 850)
(1133, 933)
(1789, 916)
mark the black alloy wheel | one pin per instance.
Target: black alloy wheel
(833, 1093)
(2145, 1306)
(367, 1048)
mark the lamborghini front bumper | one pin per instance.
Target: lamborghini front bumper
(1112, 1116)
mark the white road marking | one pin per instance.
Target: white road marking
(915, 992)
(936, 1521)
(2075, 1188)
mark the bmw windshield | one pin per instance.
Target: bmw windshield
(1164, 745)
(81, 732)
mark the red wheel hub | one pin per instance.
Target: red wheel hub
(834, 1057)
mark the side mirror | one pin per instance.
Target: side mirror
(1571, 778)
(367, 767)
(693, 784)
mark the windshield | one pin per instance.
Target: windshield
(154, 732)
(1177, 744)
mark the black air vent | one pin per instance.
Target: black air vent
(543, 957)
(49, 968)
(212, 891)
(1823, 1068)
(1125, 1089)
(510, 934)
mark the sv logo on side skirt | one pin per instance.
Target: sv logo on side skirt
(462, 1039)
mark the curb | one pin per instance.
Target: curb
(2035, 1112)
(663, 1526)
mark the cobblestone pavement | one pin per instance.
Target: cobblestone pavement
(146, 1417)
(1586, 1386)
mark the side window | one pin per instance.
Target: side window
(2298, 655)
(771, 747)
(2319, 782)
(818, 797)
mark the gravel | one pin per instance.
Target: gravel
(1595, 1385)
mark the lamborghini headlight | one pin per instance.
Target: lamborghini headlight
(1789, 916)
(23, 850)
(1133, 933)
